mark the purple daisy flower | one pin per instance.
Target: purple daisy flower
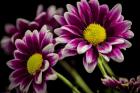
(92, 29)
(33, 60)
(18, 31)
(132, 85)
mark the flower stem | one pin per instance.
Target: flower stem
(68, 83)
(80, 82)
(107, 68)
(100, 65)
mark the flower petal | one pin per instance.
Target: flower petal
(94, 4)
(83, 47)
(38, 78)
(22, 24)
(15, 64)
(40, 88)
(72, 19)
(84, 11)
(72, 9)
(67, 53)
(53, 58)
(104, 48)
(62, 39)
(10, 29)
(21, 46)
(125, 45)
(115, 40)
(115, 12)
(60, 19)
(51, 75)
(73, 43)
(90, 60)
(48, 49)
(116, 55)
(45, 66)
(7, 45)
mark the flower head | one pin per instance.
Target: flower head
(92, 29)
(18, 31)
(33, 60)
(132, 85)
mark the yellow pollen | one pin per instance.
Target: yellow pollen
(94, 34)
(34, 63)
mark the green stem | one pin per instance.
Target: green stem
(80, 82)
(68, 83)
(108, 69)
(100, 65)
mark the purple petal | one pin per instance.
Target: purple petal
(116, 55)
(120, 27)
(16, 77)
(115, 40)
(125, 45)
(48, 38)
(128, 34)
(35, 40)
(10, 29)
(21, 46)
(115, 12)
(33, 25)
(15, 64)
(39, 9)
(53, 58)
(103, 11)
(48, 49)
(51, 75)
(40, 88)
(16, 36)
(85, 11)
(105, 57)
(90, 60)
(22, 24)
(46, 65)
(28, 39)
(72, 29)
(72, 9)
(63, 39)
(104, 48)
(7, 45)
(40, 18)
(60, 19)
(83, 47)
(72, 19)
(67, 53)
(94, 4)
(19, 55)
(60, 31)
(73, 43)
(38, 78)
(43, 32)
(25, 84)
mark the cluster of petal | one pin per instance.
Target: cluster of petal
(18, 31)
(132, 85)
(41, 42)
(77, 19)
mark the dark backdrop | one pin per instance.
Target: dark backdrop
(12, 9)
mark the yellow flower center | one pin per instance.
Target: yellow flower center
(34, 63)
(94, 34)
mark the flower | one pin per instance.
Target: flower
(33, 60)
(18, 31)
(92, 29)
(132, 85)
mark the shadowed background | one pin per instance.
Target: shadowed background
(10, 10)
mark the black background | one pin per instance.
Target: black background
(10, 10)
